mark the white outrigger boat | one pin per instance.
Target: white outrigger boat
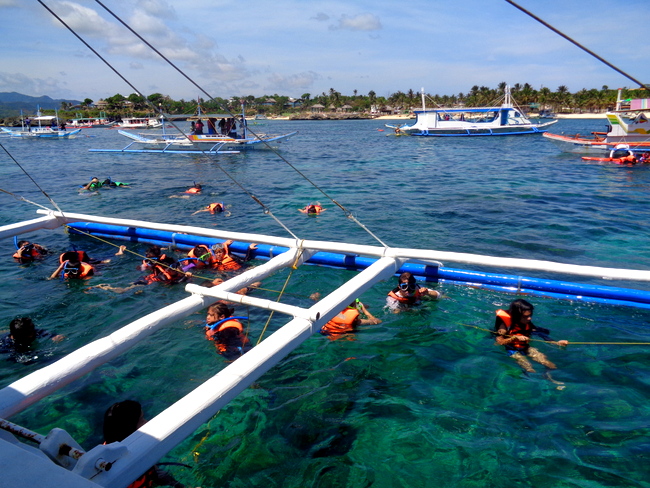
(476, 121)
(47, 128)
(629, 126)
(63, 462)
(139, 123)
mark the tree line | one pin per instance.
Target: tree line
(560, 100)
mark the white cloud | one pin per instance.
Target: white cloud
(361, 22)
(321, 17)
(298, 81)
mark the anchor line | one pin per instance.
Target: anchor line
(33, 181)
(599, 58)
(265, 208)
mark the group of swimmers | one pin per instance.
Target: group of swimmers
(95, 184)
(513, 328)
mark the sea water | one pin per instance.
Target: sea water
(423, 399)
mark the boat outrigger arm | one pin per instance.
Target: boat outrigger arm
(119, 463)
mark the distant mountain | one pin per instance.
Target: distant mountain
(11, 103)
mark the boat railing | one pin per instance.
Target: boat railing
(118, 464)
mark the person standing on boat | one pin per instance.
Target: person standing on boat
(222, 127)
(408, 293)
(226, 331)
(514, 329)
(198, 127)
(28, 124)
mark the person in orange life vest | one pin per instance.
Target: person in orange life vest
(312, 209)
(28, 252)
(195, 189)
(644, 158)
(408, 293)
(514, 329)
(349, 319)
(73, 267)
(200, 257)
(223, 261)
(120, 421)
(623, 154)
(213, 208)
(226, 331)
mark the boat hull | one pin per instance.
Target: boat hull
(41, 133)
(585, 145)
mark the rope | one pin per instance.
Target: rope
(570, 342)
(33, 181)
(266, 210)
(268, 321)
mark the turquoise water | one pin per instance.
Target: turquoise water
(419, 400)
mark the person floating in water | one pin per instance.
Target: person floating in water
(408, 293)
(28, 251)
(514, 329)
(223, 261)
(113, 184)
(213, 208)
(120, 421)
(197, 188)
(226, 331)
(20, 340)
(94, 184)
(348, 320)
(312, 209)
(78, 265)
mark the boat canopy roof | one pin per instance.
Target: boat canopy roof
(463, 110)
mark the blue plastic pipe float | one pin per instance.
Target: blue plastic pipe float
(492, 281)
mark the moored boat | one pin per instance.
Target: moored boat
(502, 120)
(139, 123)
(630, 126)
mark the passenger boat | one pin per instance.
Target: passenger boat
(478, 121)
(90, 123)
(46, 128)
(139, 123)
(629, 126)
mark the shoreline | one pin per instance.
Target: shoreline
(408, 117)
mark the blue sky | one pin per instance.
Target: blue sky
(292, 47)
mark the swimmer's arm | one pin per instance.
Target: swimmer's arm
(371, 319)
(249, 252)
(429, 292)
(58, 270)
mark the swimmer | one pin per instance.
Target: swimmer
(195, 189)
(312, 209)
(408, 293)
(226, 331)
(214, 208)
(94, 184)
(348, 320)
(28, 251)
(514, 329)
(223, 261)
(21, 336)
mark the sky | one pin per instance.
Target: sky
(232, 48)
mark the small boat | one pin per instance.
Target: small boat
(476, 121)
(629, 125)
(90, 123)
(42, 133)
(139, 123)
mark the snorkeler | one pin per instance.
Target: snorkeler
(213, 208)
(27, 252)
(408, 293)
(514, 329)
(348, 320)
(312, 209)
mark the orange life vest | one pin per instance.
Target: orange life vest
(202, 262)
(193, 190)
(211, 334)
(215, 207)
(30, 255)
(516, 329)
(163, 274)
(407, 300)
(147, 480)
(343, 323)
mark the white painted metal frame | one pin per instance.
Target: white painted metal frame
(145, 447)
